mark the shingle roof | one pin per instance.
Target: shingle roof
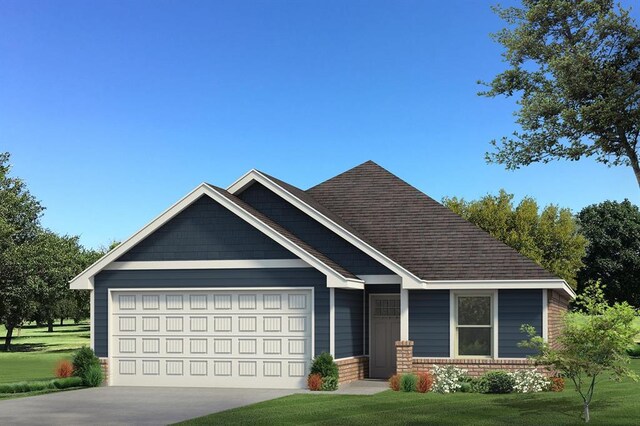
(284, 232)
(416, 231)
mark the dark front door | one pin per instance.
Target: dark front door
(385, 331)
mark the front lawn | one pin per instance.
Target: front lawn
(613, 404)
(35, 352)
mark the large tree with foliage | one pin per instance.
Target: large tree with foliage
(549, 237)
(613, 254)
(592, 343)
(574, 66)
(19, 226)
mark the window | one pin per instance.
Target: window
(474, 325)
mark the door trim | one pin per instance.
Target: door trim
(370, 354)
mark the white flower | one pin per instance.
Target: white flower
(527, 381)
(447, 378)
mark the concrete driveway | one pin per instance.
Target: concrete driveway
(128, 405)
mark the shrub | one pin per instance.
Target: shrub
(499, 382)
(557, 384)
(634, 351)
(425, 382)
(479, 385)
(93, 376)
(408, 382)
(447, 379)
(83, 360)
(22, 387)
(394, 382)
(329, 383)
(527, 381)
(64, 369)
(323, 364)
(314, 382)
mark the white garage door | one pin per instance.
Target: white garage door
(211, 338)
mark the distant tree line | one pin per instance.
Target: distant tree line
(600, 243)
(36, 264)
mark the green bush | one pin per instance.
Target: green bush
(466, 387)
(22, 387)
(408, 382)
(479, 385)
(323, 365)
(499, 382)
(329, 383)
(93, 376)
(83, 360)
(634, 351)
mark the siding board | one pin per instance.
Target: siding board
(517, 307)
(349, 322)
(429, 319)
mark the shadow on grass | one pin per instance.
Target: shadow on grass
(24, 347)
(567, 407)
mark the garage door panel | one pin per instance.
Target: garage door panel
(213, 338)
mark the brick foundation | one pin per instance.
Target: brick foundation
(404, 356)
(475, 367)
(352, 369)
(104, 363)
(558, 303)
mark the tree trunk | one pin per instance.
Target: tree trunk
(61, 322)
(585, 413)
(50, 326)
(7, 339)
(631, 154)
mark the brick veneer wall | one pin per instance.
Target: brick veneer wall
(476, 367)
(104, 363)
(352, 369)
(558, 304)
(404, 356)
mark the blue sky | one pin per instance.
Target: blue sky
(114, 110)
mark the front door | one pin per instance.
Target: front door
(385, 331)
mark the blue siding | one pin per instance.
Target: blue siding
(517, 307)
(312, 232)
(206, 231)
(373, 289)
(349, 311)
(298, 277)
(429, 319)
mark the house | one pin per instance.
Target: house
(243, 287)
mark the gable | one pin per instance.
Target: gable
(206, 231)
(310, 231)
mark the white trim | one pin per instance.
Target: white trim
(496, 326)
(545, 315)
(404, 314)
(207, 264)
(92, 332)
(499, 285)
(255, 175)
(347, 358)
(381, 279)
(364, 323)
(452, 322)
(82, 282)
(332, 322)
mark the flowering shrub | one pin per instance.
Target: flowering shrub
(425, 382)
(527, 381)
(447, 379)
(314, 382)
(64, 369)
(557, 384)
(394, 382)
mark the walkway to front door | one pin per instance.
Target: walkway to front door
(385, 331)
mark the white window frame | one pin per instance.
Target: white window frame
(454, 295)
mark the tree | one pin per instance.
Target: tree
(613, 254)
(592, 343)
(19, 224)
(549, 238)
(574, 66)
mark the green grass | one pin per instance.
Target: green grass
(613, 403)
(35, 352)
